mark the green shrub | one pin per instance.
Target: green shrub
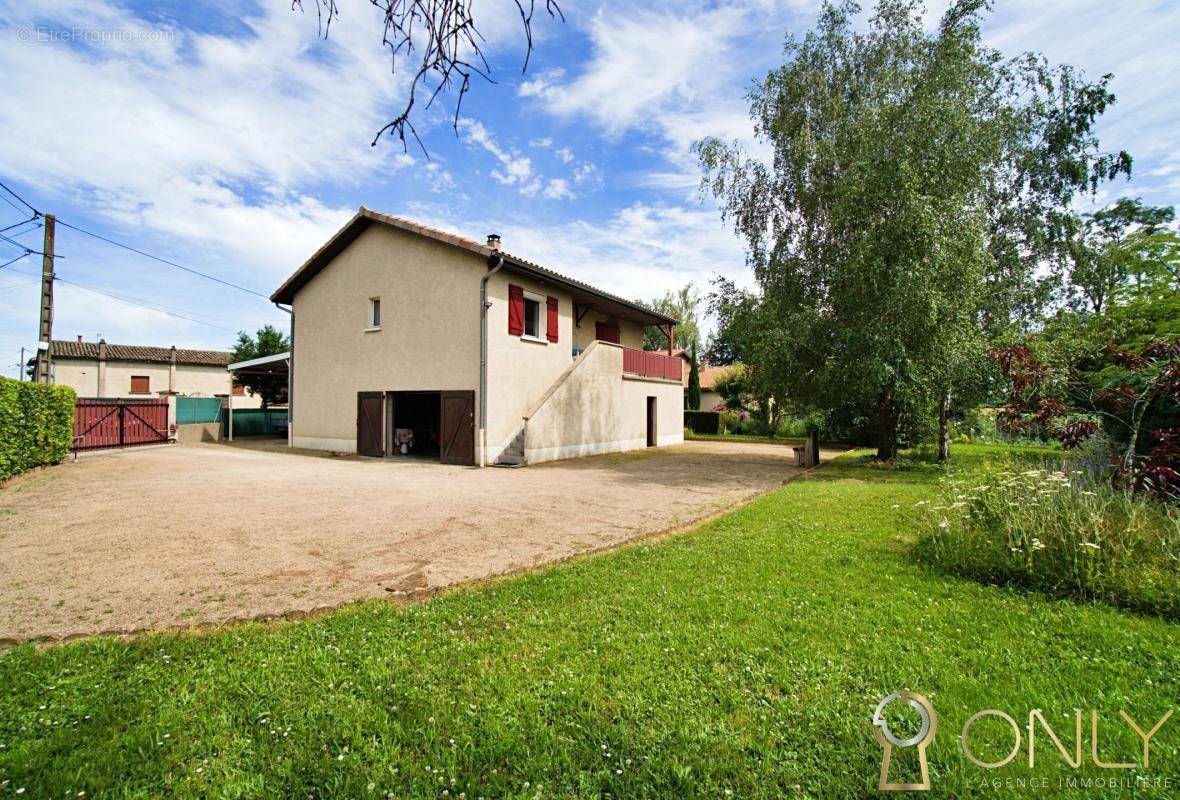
(705, 422)
(1063, 529)
(36, 425)
(742, 423)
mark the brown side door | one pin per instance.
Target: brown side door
(370, 432)
(458, 428)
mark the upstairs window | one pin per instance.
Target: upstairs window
(374, 313)
(141, 384)
(532, 317)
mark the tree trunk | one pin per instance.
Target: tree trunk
(886, 428)
(944, 433)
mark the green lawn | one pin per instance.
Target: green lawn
(745, 658)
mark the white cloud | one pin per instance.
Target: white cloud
(585, 171)
(514, 169)
(541, 85)
(679, 71)
(564, 154)
(558, 189)
(198, 135)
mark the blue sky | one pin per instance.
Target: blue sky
(230, 138)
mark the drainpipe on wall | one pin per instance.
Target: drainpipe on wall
(495, 264)
(290, 374)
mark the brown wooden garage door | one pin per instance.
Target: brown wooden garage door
(370, 432)
(458, 428)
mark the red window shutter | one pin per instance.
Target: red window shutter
(515, 310)
(607, 332)
(551, 320)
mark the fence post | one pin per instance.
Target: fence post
(171, 422)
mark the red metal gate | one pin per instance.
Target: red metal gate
(102, 422)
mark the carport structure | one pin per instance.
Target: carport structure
(273, 366)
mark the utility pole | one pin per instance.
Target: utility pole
(45, 332)
(23, 366)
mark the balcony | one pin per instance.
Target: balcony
(647, 364)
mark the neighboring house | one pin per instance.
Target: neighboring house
(98, 369)
(708, 375)
(397, 327)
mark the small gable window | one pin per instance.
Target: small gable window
(374, 313)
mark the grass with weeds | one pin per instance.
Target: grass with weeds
(743, 659)
(1062, 531)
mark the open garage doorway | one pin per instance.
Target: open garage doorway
(415, 424)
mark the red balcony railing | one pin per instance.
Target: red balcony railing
(652, 365)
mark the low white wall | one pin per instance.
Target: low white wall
(595, 409)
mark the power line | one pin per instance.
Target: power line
(165, 261)
(142, 304)
(18, 224)
(18, 285)
(21, 246)
(25, 254)
(14, 205)
(23, 202)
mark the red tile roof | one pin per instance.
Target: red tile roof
(134, 352)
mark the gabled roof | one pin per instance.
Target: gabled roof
(365, 217)
(710, 373)
(134, 352)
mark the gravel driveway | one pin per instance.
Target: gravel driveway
(194, 534)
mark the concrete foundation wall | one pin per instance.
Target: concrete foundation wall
(595, 409)
(198, 432)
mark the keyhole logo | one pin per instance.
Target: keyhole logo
(888, 740)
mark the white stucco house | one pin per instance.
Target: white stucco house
(401, 332)
(99, 369)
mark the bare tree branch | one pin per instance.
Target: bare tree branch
(441, 38)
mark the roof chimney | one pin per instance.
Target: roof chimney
(79, 338)
(494, 241)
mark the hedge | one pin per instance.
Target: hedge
(706, 422)
(36, 425)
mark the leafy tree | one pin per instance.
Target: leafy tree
(267, 341)
(1114, 245)
(684, 304)
(918, 183)
(734, 389)
(694, 382)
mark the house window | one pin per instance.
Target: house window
(141, 384)
(374, 313)
(532, 317)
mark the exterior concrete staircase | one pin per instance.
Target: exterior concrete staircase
(513, 454)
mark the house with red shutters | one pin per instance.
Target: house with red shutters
(408, 341)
